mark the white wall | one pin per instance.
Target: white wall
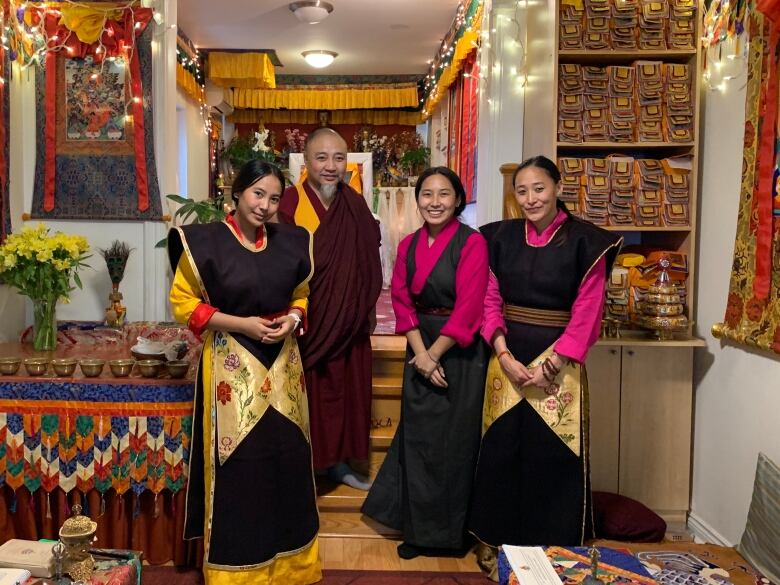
(736, 390)
(501, 107)
(197, 149)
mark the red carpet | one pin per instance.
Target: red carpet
(151, 575)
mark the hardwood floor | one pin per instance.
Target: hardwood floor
(379, 554)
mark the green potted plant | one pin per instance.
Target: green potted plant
(205, 211)
(414, 161)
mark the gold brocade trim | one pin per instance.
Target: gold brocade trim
(192, 264)
(561, 411)
(249, 245)
(530, 316)
(243, 389)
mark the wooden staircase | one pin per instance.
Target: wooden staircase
(340, 504)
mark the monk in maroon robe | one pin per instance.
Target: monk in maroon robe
(347, 279)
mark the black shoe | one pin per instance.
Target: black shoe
(408, 551)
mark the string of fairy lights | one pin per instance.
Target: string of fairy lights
(512, 33)
(191, 60)
(725, 41)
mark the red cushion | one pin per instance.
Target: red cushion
(617, 517)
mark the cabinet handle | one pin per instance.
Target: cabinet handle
(613, 351)
(630, 352)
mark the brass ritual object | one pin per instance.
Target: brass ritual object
(662, 309)
(77, 535)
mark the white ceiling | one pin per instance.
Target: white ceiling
(372, 37)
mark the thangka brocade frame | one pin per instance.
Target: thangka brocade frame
(111, 179)
(753, 308)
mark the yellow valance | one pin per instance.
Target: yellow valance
(186, 81)
(373, 117)
(87, 20)
(329, 97)
(244, 70)
(465, 44)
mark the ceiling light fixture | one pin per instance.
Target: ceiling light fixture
(319, 59)
(311, 12)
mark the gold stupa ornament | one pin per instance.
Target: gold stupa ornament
(77, 535)
(662, 309)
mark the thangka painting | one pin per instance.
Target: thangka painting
(95, 147)
(753, 308)
(95, 100)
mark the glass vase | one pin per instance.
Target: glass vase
(44, 324)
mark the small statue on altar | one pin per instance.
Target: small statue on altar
(323, 116)
(116, 261)
(77, 535)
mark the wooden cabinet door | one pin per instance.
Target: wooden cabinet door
(603, 367)
(655, 428)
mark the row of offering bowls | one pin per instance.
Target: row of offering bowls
(91, 368)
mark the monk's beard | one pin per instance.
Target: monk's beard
(328, 192)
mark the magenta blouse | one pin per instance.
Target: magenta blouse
(585, 324)
(471, 279)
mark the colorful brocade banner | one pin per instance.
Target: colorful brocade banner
(753, 309)
(95, 147)
(121, 436)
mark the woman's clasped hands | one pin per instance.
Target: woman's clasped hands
(429, 368)
(269, 330)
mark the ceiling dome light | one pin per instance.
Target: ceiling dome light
(319, 59)
(311, 12)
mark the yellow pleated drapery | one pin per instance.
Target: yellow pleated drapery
(373, 117)
(329, 97)
(187, 82)
(464, 45)
(241, 70)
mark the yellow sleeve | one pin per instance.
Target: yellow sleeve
(185, 293)
(300, 297)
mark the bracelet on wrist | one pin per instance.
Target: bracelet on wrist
(433, 359)
(503, 353)
(296, 317)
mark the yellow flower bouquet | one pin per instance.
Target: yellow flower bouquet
(40, 265)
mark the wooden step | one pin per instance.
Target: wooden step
(381, 438)
(386, 385)
(353, 525)
(388, 346)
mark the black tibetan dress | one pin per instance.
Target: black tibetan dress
(251, 486)
(532, 479)
(424, 485)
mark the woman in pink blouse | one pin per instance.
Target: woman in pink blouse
(542, 314)
(424, 486)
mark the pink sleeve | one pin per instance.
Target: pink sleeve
(585, 324)
(471, 279)
(403, 305)
(493, 311)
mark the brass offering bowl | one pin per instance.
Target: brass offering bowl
(36, 366)
(9, 365)
(92, 367)
(121, 368)
(149, 368)
(64, 366)
(177, 368)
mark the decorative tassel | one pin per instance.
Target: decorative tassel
(31, 505)
(173, 505)
(85, 505)
(48, 505)
(68, 511)
(156, 507)
(137, 506)
(13, 504)
(102, 504)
